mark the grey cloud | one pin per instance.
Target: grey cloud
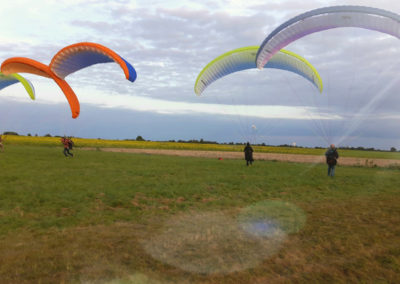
(169, 46)
(180, 38)
(96, 122)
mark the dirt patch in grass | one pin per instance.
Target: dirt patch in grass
(297, 158)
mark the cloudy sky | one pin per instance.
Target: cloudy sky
(169, 42)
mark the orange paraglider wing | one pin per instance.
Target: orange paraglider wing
(27, 65)
(24, 65)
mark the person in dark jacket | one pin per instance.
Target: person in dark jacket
(248, 154)
(331, 159)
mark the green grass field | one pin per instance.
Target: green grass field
(104, 217)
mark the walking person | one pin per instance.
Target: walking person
(67, 144)
(248, 154)
(331, 159)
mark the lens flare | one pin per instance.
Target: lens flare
(211, 243)
(272, 217)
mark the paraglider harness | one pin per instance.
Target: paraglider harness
(331, 157)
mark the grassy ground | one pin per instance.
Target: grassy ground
(113, 217)
(101, 143)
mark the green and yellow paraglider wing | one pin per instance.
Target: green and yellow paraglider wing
(290, 61)
(245, 58)
(7, 80)
(225, 64)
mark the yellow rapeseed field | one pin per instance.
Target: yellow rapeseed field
(102, 143)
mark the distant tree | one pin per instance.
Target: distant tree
(393, 149)
(29, 134)
(48, 135)
(10, 133)
(36, 135)
(139, 138)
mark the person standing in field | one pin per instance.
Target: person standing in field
(66, 142)
(331, 159)
(248, 154)
(1, 143)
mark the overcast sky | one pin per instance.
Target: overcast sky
(169, 42)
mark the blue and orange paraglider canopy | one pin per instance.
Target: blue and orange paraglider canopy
(67, 61)
(81, 55)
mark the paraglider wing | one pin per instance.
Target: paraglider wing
(70, 95)
(68, 60)
(24, 65)
(324, 19)
(7, 80)
(244, 58)
(292, 62)
(227, 63)
(81, 55)
(27, 65)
